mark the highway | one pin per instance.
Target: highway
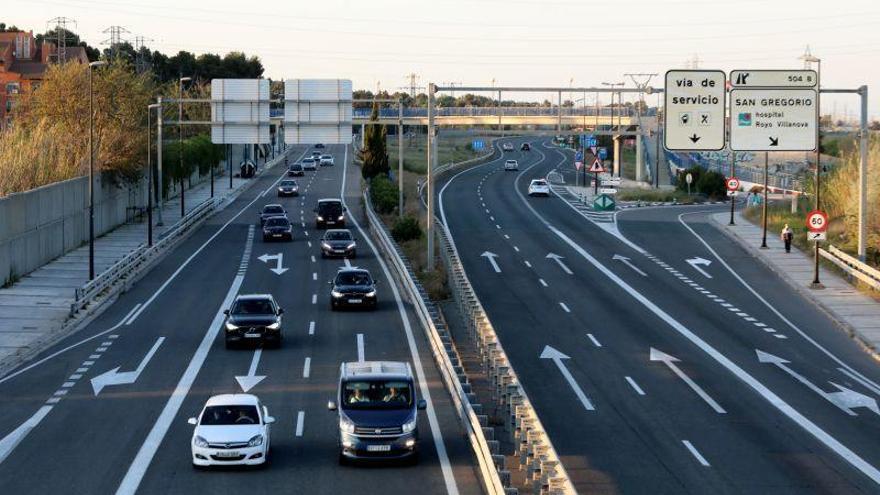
(57, 435)
(661, 357)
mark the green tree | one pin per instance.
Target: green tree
(374, 156)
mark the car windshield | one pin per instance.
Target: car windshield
(511, 162)
(296, 166)
(339, 235)
(277, 222)
(326, 157)
(288, 183)
(230, 415)
(377, 394)
(539, 183)
(308, 161)
(330, 208)
(273, 209)
(354, 278)
(253, 307)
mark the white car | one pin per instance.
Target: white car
(326, 160)
(507, 146)
(539, 187)
(232, 430)
(511, 165)
(309, 164)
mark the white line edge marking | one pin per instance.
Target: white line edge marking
(593, 339)
(10, 441)
(360, 347)
(300, 420)
(693, 450)
(443, 457)
(634, 385)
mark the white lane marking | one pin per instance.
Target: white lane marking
(75, 376)
(759, 324)
(750, 318)
(131, 315)
(60, 392)
(314, 275)
(144, 457)
(516, 249)
(313, 258)
(593, 339)
(88, 363)
(527, 264)
(107, 343)
(442, 456)
(67, 384)
(94, 356)
(506, 236)
(770, 306)
(491, 218)
(100, 349)
(81, 370)
(497, 226)
(360, 347)
(634, 385)
(669, 361)
(727, 305)
(542, 282)
(309, 243)
(307, 367)
(300, 422)
(780, 336)
(10, 441)
(314, 299)
(306, 233)
(702, 460)
(564, 307)
(769, 330)
(52, 400)
(311, 328)
(117, 336)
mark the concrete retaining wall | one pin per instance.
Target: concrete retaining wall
(42, 224)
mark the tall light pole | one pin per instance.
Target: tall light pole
(92, 65)
(150, 109)
(808, 58)
(180, 140)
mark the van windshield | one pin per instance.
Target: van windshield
(330, 208)
(377, 394)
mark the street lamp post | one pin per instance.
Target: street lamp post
(150, 109)
(808, 58)
(180, 141)
(611, 127)
(92, 65)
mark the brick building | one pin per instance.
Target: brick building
(23, 65)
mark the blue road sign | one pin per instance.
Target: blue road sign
(603, 153)
(579, 156)
(591, 141)
(477, 145)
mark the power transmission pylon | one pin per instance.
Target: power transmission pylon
(61, 35)
(140, 42)
(115, 40)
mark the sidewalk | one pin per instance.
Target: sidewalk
(35, 310)
(853, 310)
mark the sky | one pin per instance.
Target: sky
(560, 43)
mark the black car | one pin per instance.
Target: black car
(295, 170)
(338, 242)
(353, 287)
(329, 212)
(272, 210)
(253, 318)
(288, 187)
(277, 228)
(319, 146)
(526, 147)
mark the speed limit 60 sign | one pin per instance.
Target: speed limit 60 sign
(732, 184)
(817, 221)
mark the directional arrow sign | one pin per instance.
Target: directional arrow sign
(694, 116)
(557, 357)
(670, 362)
(279, 258)
(694, 138)
(774, 141)
(558, 259)
(252, 379)
(695, 262)
(603, 202)
(626, 261)
(114, 377)
(491, 257)
(845, 399)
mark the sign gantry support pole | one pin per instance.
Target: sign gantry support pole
(430, 179)
(732, 175)
(764, 204)
(159, 119)
(400, 158)
(816, 283)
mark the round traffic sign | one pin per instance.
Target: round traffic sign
(689, 178)
(732, 184)
(817, 221)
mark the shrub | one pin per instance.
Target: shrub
(712, 184)
(383, 193)
(406, 229)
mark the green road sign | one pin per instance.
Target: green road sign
(604, 202)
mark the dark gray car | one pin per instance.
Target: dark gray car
(338, 242)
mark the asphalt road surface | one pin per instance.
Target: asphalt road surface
(58, 436)
(662, 375)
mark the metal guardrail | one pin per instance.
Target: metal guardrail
(132, 262)
(485, 448)
(852, 266)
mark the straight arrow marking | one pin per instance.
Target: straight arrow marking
(557, 357)
(491, 257)
(694, 262)
(628, 263)
(114, 377)
(252, 379)
(558, 259)
(670, 362)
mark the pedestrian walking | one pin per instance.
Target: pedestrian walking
(786, 236)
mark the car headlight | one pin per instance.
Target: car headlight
(274, 326)
(336, 293)
(325, 245)
(409, 426)
(372, 293)
(345, 425)
(320, 218)
(341, 217)
(350, 245)
(230, 326)
(200, 442)
(256, 441)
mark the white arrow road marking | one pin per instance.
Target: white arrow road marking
(252, 379)
(558, 259)
(694, 262)
(845, 399)
(114, 377)
(557, 357)
(670, 362)
(279, 266)
(347, 262)
(491, 257)
(628, 263)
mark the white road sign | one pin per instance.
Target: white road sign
(773, 119)
(816, 236)
(773, 79)
(694, 117)
(607, 191)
